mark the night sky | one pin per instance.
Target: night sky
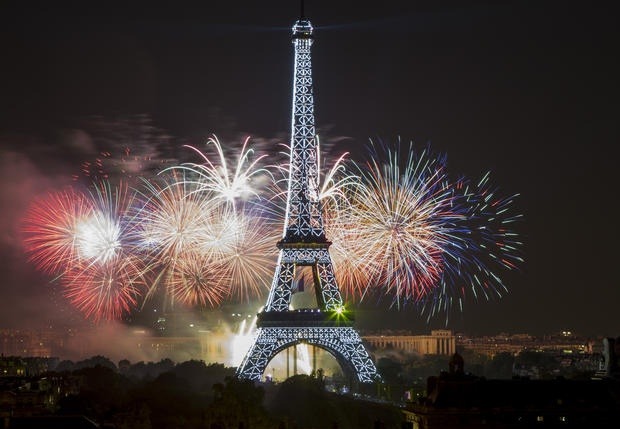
(527, 90)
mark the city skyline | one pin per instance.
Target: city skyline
(524, 91)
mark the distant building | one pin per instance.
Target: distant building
(12, 366)
(211, 347)
(564, 342)
(17, 366)
(33, 396)
(41, 343)
(439, 342)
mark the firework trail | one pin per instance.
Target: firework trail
(106, 291)
(402, 223)
(249, 255)
(171, 226)
(221, 182)
(492, 246)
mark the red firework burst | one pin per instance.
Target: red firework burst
(50, 226)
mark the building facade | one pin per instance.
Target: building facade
(439, 342)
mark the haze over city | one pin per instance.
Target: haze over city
(525, 90)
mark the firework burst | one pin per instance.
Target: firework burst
(51, 226)
(223, 181)
(408, 232)
(86, 240)
(193, 216)
(492, 246)
(171, 221)
(198, 279)
(249, 255)
(106, 291)
(402, 223)
(172, 224)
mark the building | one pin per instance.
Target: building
(564, 342)
(439, 342)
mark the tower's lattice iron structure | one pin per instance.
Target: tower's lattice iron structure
(304, 244)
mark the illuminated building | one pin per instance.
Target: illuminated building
(439, 342)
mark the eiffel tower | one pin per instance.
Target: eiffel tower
(328, 326)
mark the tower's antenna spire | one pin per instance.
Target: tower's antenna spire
(302, 15)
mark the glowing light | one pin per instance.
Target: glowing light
(98, 237)
(242, 341)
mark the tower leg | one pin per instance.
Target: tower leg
(344, 344)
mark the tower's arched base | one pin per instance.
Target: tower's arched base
(343, 343)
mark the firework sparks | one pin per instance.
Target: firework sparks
(492, 245)
(105, 292)
(183, 225)
(249, 255)
(198, 280)
(91, 248)
(336, 186)
(51, 225)
(171, 224)
(235, 235)
(98, 237)
(401, 223)
(223, 183)
(243, 340)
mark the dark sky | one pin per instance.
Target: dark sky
(525, 89)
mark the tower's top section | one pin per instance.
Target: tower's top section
(302, 29)
(304, 220)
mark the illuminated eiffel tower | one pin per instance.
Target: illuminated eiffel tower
(304, 247)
